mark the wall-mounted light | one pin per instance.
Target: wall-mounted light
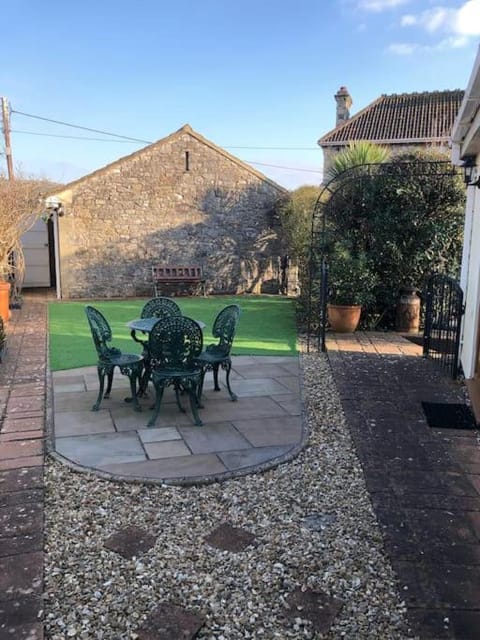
(468, 171)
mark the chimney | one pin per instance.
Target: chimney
(344, 102)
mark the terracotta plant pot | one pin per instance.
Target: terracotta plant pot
(5, 300)
(344, 318)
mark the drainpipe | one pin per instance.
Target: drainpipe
(54, 209)
(58, 283)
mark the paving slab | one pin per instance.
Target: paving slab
(263, 371)
(259, 387)
(246, 458)
(82, 423)
(75, 401)
(158, 435)
(101, 449)
(183, 467)
(221, 436)
(167, 449)
(271, 431)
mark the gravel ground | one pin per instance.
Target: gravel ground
(92, 592)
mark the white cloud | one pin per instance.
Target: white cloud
(408, 48)
(459, 23)
(402, 49)
(408, 20)
(380, 5)
(453, 42)
(467, 20)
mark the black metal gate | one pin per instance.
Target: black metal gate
(319, 312)
(443, 318)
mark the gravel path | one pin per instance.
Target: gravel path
(313, 528)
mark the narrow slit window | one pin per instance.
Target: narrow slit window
(187, 160)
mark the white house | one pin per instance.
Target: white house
(466, 153)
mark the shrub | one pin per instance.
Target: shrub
(407, 218)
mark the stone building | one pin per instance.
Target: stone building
(180, 201)
(398, 121)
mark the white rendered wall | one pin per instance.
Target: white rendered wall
(470, 280)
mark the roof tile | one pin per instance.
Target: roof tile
(399, 118)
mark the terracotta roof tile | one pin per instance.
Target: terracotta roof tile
(398, 118)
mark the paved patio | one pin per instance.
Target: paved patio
(261, 429)
(424, 484)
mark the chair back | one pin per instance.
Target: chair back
(160, 307)
(174, 343)
(101, 333)
(224, 328)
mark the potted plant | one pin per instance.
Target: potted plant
(351, 286)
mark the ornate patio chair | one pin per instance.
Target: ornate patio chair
(157, 308)
(174, 344)
(218, 355)
(160, 307)
(110, 357)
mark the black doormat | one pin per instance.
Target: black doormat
(415, 339)
(444, 415)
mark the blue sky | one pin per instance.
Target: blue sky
(249, 73)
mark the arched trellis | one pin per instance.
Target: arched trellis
(391, 175)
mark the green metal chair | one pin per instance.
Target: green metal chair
(110, 357)
(160, 307)
(218, 355)
(174, 344)
(157, 308)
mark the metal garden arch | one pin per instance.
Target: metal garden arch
(388, 175)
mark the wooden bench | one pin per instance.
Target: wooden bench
(168, 274)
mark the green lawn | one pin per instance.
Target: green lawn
(267, 326)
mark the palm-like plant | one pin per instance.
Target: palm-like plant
(357, 153)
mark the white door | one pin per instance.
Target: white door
(37, 256)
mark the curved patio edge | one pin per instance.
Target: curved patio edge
(267, 424)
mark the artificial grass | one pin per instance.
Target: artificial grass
(267, 326)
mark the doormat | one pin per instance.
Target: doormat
(445, 415)
(415, 339)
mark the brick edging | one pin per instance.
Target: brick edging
(22, 429)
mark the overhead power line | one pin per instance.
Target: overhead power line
(77, 126)
(277, 166)
(57, 135)
(123, 138)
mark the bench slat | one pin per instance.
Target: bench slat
(176, 274)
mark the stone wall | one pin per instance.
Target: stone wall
(181, 201)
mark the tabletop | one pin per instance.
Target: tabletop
(146, 324)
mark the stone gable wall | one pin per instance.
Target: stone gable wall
(162, 207)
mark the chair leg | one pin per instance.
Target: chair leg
(192, 392)
(101, 380)
(158, 402)
(215, 377)
(143, 380)
(110, 382)
(178, 390)
(133, 390)
(228, 366)
(200, 388)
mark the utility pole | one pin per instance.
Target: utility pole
(6, 135)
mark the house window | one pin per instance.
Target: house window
(187, 160)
